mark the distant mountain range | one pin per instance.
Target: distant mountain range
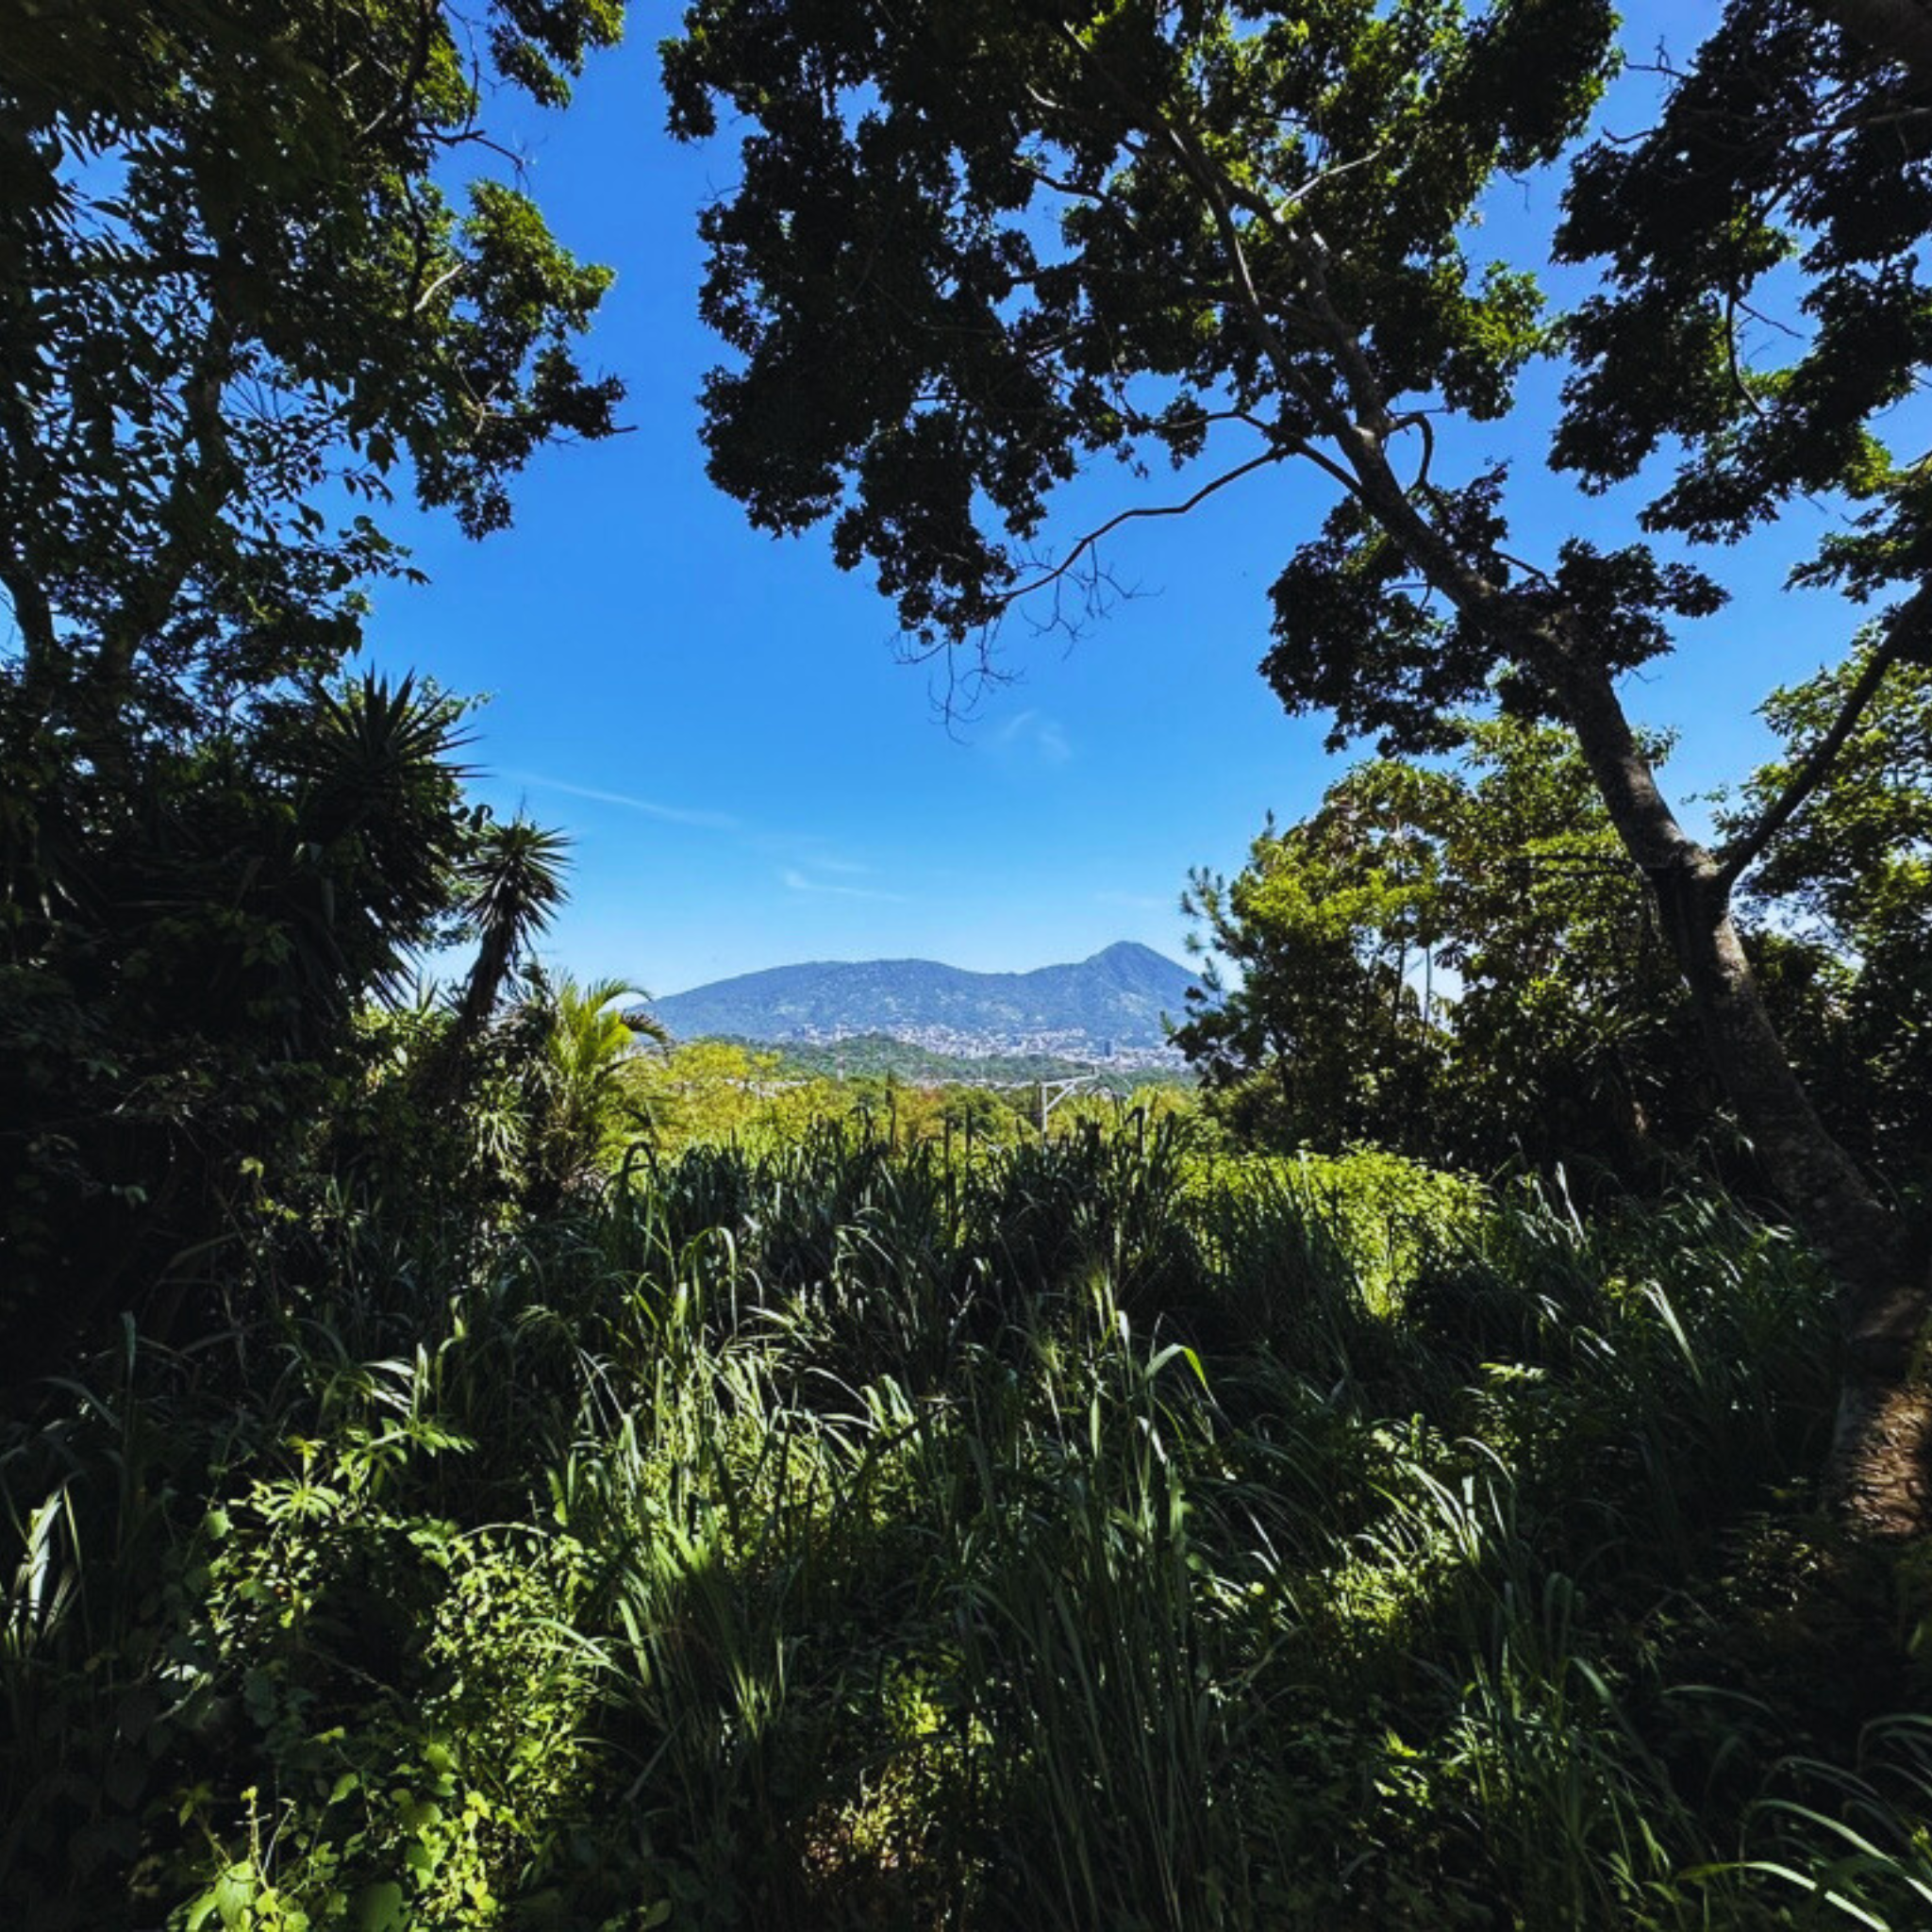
(1108, 1007)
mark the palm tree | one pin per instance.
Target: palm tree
(513, 882)
(375, 829)
(587, 1111)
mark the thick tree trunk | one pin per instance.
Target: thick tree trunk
(1879, 1476)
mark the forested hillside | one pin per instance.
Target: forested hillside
(1462, 1459)
(1119, 999)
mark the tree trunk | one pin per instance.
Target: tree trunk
(1879, 1475)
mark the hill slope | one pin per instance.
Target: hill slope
(875, 1056)
(1109, 1003)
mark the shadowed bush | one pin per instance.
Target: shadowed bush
(1091, 1532)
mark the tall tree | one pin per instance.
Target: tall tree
(233, 285)
(261, 262)
(1327, 1039)
(512, 879)
(973, 248)
(172, 1022)
(1850, 882)
(1454, 962)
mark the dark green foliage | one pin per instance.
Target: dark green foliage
(485, 1521)
(231, 272)
(971, 249)
(1461, 963)
(234, 290)
(182, 984)
(1091, 1534)
(1358, 637)
(1458, 963)
(512, 884)
(1788, 142)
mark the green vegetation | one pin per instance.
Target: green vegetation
(466, 1464)
(1453, 961)
(1459, 961)
(726, 1089)
(1091, 1534)
(1227, 239)
(875, 1056)
(256, 275)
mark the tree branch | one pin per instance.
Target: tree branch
(200, 488)
(1910, 626)
(428, 15)
(34, 615)
(1143, 511)
(1899, 30)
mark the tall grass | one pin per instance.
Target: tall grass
(1085, 1534)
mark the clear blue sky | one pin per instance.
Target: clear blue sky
(718, 719)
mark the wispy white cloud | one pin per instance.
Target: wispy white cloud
(808, 875)
(808, 852)
(1034, 732)
(796, 882)
(667, 814)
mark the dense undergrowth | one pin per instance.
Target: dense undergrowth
(1088, 1534)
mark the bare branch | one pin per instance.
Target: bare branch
(1419, 419)
(437, 287)
(1141, 512)
(1334, 171)
(1072, 189)
(1533, 571)
(1738, 381)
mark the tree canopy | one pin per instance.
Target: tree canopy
(465, 1470)
(973, 248)
(1456, 963)
(243, 283)
(259, 266)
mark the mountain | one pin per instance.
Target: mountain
(1103, 1006)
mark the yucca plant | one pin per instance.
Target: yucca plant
(512, 879)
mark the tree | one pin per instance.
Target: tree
(172, 1023)
(230, 275)
(1846, 893)
(1573, 1036)
(246, 290)
(971, 249)
(512, 883)
(1326, 1041)
(1455, 964)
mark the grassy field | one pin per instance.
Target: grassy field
(1091, 1534)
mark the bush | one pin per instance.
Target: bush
(1094, 1532)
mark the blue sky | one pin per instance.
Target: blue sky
(751, 777)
